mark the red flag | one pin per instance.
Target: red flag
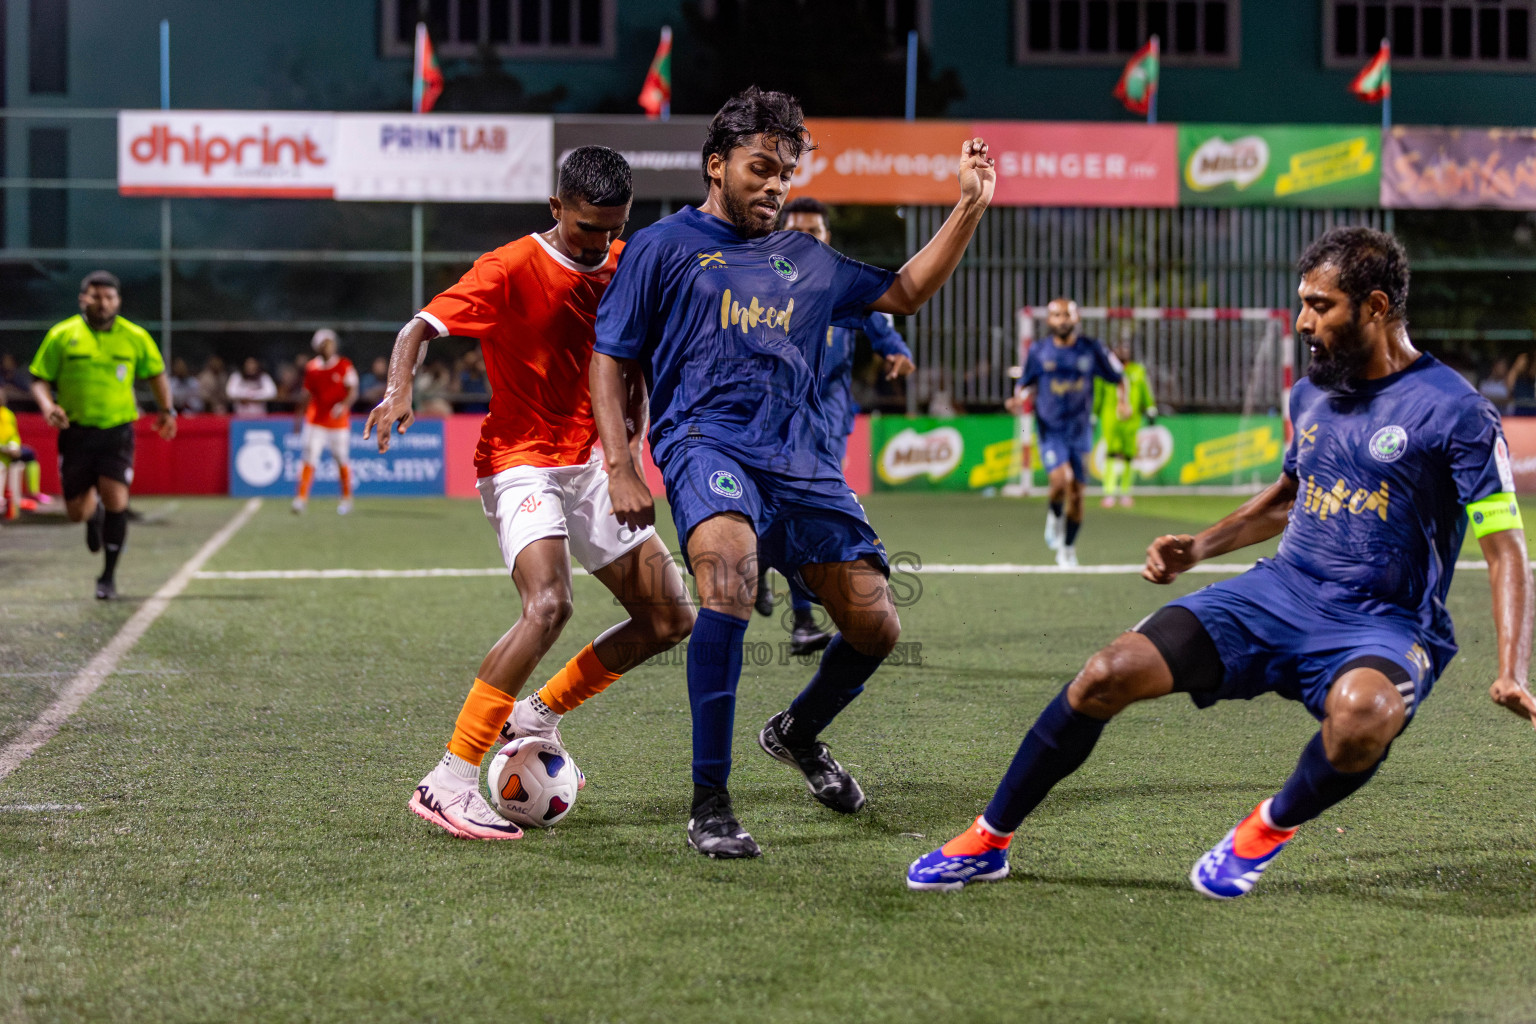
(1374, 82)
(656, 93)
(1138, 82)
(427, 78)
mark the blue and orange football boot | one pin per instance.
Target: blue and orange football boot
(1233, 866)
(975, 855)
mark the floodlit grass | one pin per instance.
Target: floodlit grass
(244, 852)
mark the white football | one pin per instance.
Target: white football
(532, 781)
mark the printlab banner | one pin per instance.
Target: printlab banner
(265, 455)
(225, 153)
(664, 155)
(454, 158)
(1459, 168)
(1279, 165)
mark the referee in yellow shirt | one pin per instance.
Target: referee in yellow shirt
(91, 361)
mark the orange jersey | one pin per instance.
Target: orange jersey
(533, 310)
(328, 387)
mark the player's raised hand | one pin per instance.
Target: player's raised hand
(1168, 556)
(978, 172)
(898, 366)
(392, 413)
(633, 505)
(1515, 696)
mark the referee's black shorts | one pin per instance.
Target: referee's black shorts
(88, 453)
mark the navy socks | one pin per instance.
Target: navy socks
(714, 670)
(1055, 746)
(839, 679)
(1315, 786)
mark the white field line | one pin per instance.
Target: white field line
(102, 665)
(38, 808)
(937, 569)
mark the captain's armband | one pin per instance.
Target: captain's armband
(1494, 514)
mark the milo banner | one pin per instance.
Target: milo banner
(1279, 165)
(975, 453)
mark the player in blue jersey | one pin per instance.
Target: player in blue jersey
(1393, 453)
(726, 321)
(837, 404)
(1059, 372)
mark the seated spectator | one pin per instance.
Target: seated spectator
(431, 391)
(15, 381)
(1521, 383)
(474, 389)
(20, 474)
(211, 383)
(186, 390)
(371, 387)
(1495, 386)
(251, 389)
(290, 384)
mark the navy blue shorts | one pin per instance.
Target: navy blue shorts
(1064, 447)
(1275, 633)
(797, 522)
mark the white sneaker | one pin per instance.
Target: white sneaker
(462, 813)
(524, 721)
(298, 506)
(1053, 531)
(344, 506)
(1066, 557)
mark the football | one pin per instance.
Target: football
(532, 782)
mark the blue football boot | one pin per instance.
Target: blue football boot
(947, 872)
(1222, 874)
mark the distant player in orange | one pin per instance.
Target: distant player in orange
(330, 388)
(532, 304)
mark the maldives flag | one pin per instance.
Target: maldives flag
(1138, 82)
(657, 90)
(1374, 82)
(427, 78)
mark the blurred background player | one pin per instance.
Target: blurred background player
(725, 321)
(837, 404)
(532, 304)
(20, 475)
(1058, 377)
(1119, 432)
(325, 404)
(1349, 617)
(92, 360)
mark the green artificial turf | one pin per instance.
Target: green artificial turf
(244, 851)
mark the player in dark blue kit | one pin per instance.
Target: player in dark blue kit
(1058, 374)
(1393, 454)
(727, 322)
(837, 404)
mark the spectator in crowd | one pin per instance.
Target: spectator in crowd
(1522, 385)
(211, 383)
(432, 385)
(1495, 386)
(186, 390)
(474, 390)
(375, 381)
(290, 384)
(251, 389)
(14, 381)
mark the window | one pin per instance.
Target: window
(48, 46)
(511, 28)
(1430, 35)
(47, 208)
(898, 16)
(1108, 31)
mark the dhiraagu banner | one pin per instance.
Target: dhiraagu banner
(1279, 165)
(975, 453)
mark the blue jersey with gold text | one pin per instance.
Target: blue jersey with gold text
(1063, 379)
(731, 333)
(1385, 476)
(837, 402)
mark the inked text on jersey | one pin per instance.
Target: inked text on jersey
(1342, 497)
(753, 314)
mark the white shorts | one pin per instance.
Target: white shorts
(317, 439)
(529, 503)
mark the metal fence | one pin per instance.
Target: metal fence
(965, 339)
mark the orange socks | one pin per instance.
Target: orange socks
(582, 678)
(480, 720)
(1256, 837)
(975, 841)
(306, 477)
(346, 480)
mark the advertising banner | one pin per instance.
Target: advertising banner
(265, 454)
(1459, 168)
(973, 453)
(444, 158)
(1520, 434)
(1279, 165)
(225, 153)
(664, 155)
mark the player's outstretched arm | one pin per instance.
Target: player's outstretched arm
(1258, 519)
(612, 405)
(925, 272)
(394, 410)
(1509, 575)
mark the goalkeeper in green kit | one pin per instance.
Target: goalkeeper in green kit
(1119, 422)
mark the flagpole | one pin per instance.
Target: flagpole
(165, 204)
(1157, 55)
(1386, 101)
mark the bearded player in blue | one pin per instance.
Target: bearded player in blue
(837, 404)
(1392, 454)
(726, 322)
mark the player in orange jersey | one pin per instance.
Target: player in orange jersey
(532, 304)
(330, 388)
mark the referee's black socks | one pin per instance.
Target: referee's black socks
(114, 533)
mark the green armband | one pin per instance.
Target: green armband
(1494, 514)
